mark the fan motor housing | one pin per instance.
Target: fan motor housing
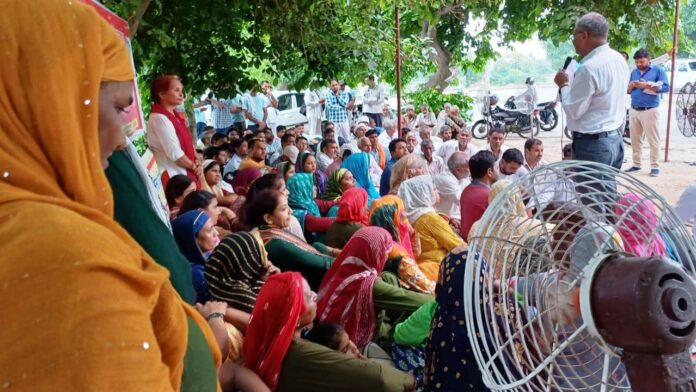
(647, 307)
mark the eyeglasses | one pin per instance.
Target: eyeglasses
(572, 35)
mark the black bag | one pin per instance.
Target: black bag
(303, 110)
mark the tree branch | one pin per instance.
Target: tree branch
(134, 21)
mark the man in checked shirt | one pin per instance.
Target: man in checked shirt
(336, 103)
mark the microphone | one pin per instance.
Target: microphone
(565, 67)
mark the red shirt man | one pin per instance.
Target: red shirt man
(474, 200)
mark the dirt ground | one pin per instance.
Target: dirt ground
(675, 175)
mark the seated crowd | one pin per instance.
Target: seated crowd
(325, 259)
(279, 264)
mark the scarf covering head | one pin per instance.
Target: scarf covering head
(418, 195)
(401, 169)
(386, 213)
(292, 153)
(345, 296)
(278, 308)
(359, 165)
(319, 176)
(353, 206)
(59, 53)
(237, 269)
(334, 189)
(282, 168)
(639, 223)
(243, 180)
(300, 187)
(186, 228)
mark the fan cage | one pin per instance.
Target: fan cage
(524, 274)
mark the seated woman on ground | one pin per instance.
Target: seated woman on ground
(352, 216)
(359, 165)
(285, 169)
(352, 292)
(196, 237)
(307, 163)
(241, 183)
(436, 235)
(308, 210)
(268, 212)
(275, 350)
(388, 213)
(339, 181)
(409, 166)
(178, 187)
(222, 217)
(237, 269)
(274, 182)
(211, 181)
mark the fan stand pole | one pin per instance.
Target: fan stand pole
(675, 38)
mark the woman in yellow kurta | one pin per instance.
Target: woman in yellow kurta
(84, 307)
(436, 236)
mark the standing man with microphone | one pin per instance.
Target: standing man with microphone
(595, 103)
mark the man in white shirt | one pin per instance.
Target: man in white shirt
(255, 110)
(450, 184)
(443, 115)
(313, 111)
(390, 133)
(425, 118)
(509, 164)
(271, 106)
(328, 152)
(533, 156)
(373, 99)
(496, 142)
(595, 103)
(462, 144)
(411, 142)
(435, 164)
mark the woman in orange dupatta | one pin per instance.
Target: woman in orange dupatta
(86, 309)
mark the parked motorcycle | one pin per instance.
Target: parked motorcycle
(524, 124)
(548, 116)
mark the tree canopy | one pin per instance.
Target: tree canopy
(229, 44)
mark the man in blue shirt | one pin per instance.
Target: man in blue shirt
(397, 149)
(646, 83)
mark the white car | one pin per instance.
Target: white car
(289, 104)
(685, 72)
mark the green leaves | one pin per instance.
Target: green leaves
(227, 45)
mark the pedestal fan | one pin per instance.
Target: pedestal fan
(594, 292)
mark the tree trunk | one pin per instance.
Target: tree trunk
(137, 17)
(442, 57)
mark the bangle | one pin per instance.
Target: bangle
(215, 315)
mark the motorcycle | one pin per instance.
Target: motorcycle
(524, 124)
(548, 116)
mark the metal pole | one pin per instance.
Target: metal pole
(675, 37)
(398, 67)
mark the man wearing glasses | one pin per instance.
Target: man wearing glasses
(595, 107)
(595, 102)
